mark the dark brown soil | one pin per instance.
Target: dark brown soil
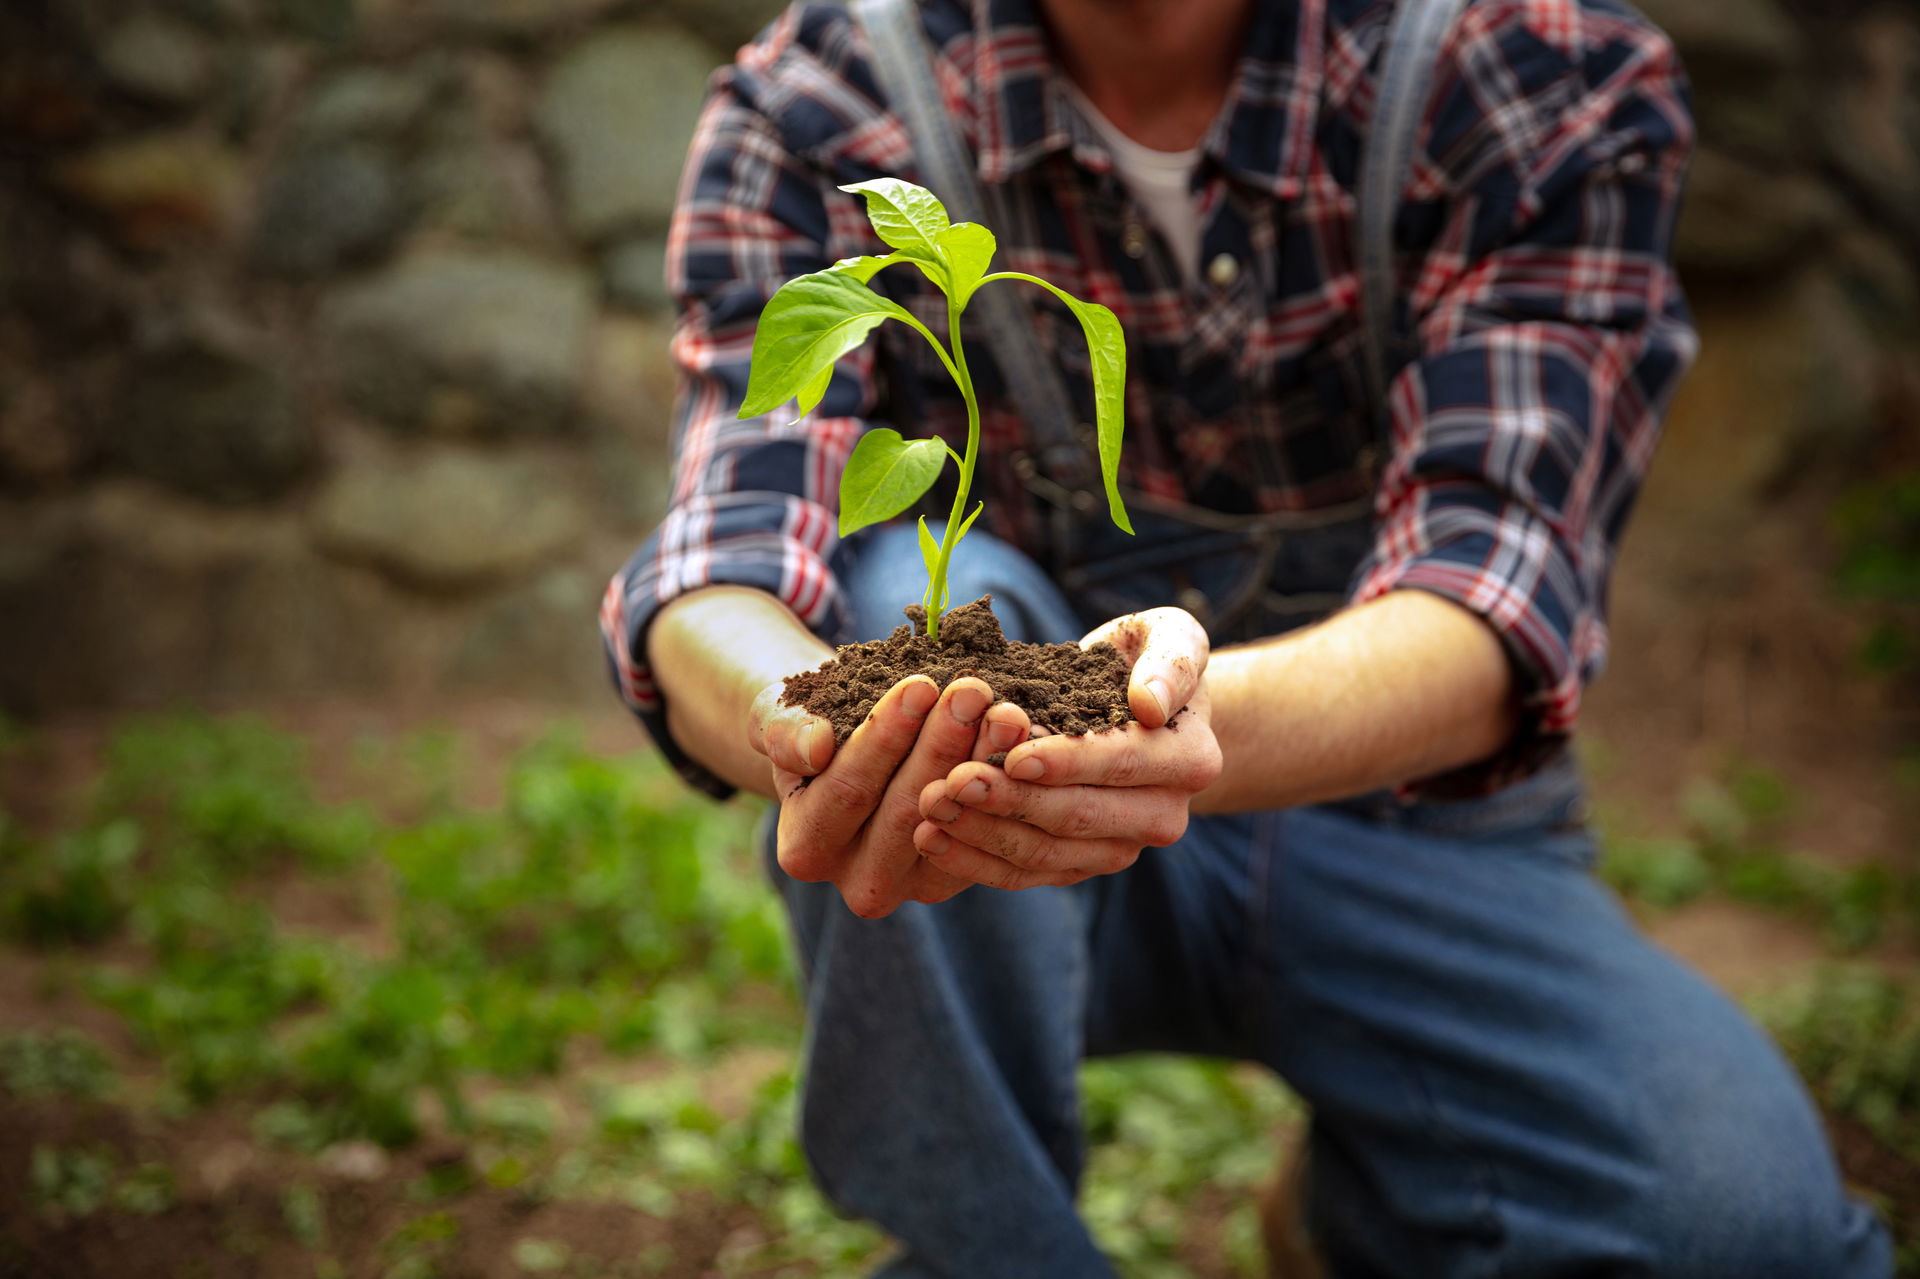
(1888, 1177)
(1061, 687)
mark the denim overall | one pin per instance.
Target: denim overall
(1505, 1077)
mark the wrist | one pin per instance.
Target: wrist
(713, 651)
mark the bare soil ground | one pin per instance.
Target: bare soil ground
(1726, 648)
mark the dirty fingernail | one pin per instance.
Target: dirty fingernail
(1163, 695)
(973, 792)
(919, 698)
(803, 743)
(968, 705)
(931, 842)
(945, 811)
(1002, 736)
(1029, 769)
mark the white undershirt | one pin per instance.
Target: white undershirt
(1157, 179)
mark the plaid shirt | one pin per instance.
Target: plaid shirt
(1535, 272)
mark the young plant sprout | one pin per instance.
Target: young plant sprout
(815, 319)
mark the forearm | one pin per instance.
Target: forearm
(712, 651)
(1406, 686)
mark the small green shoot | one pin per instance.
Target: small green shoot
(815, 319)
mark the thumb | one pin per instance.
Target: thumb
(790, 738)
(1168, 649)
(766, 704)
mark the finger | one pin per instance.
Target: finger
(953, 729)
(843, 796)
(788, 735)
(1031, 848)
(1006, 726)
(1154, 816)
(1168, 649)
(1131, 755)
(946, 741)
(766, 703)
(931, 885)
(955, 858)
(799, 742)
(804, 860)
(887, 859)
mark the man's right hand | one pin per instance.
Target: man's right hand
(848, 816)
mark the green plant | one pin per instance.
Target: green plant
(62, 1063)
(815, 319)
(1854, 1033)
(70, 1182)
(73, 891)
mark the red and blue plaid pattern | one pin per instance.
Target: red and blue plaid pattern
(1535, 258)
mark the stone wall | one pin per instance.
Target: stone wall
(332, 331)
(332, 351)
(1799, 246)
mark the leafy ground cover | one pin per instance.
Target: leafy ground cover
(246, 1030)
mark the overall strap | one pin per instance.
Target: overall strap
(903, 64)
(1413, 44)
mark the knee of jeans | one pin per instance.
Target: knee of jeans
(1781, 1213)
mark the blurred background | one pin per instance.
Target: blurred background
(345, 928)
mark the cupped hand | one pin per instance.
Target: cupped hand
(847, 816)
(1066, 808)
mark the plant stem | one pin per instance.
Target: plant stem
(950, 536)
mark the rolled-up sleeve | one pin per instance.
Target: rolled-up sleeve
(1552, 334)
(752, 501)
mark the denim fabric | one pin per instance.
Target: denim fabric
(1506, 1078)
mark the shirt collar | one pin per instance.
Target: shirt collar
(1264, 134)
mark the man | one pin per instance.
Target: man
(1367, 867)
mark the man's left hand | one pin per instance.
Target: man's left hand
(1067, 808)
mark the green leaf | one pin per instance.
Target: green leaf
(969, 248)
(929, 549)
(885, 475)
(930, 556)
(813, 392)
(968, 522)
(904, 216)
(1108, 345)
(864, 268)
(811, 322)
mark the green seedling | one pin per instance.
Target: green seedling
(815, 319)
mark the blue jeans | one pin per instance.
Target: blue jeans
(1506, 1078)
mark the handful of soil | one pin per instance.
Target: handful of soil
(1062, 687)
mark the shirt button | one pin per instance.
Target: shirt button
(1223, 270)
(1133, 239)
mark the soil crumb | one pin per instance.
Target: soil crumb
(1061, 687)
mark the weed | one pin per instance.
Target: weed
(1732, 848)
(1854, 1033)
(59, 1063)
(70, 1182)
(305, 1214)
(147, 1191)
(230, 794)
(1663, 873)
(72, 892)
